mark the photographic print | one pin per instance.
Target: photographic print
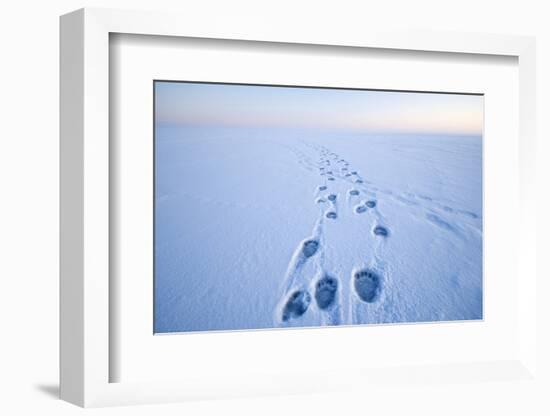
(288, 206)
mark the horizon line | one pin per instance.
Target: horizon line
(167, 124)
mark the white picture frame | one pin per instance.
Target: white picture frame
(85, 208)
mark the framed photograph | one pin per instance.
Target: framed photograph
(279, 206)
(242, 209)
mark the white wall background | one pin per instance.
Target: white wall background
(29, 204)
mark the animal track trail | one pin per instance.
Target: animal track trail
(332, 213)
(430, 204)
(461, 212)
(434, 211)
(437, 213)
(306, 263)
(296, 298)
(372, 206)
(380, 230)
(312, 292)
(366, 282)
(441, 223)
(406, 201)
(303, 254)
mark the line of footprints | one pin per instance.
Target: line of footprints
(367, 283)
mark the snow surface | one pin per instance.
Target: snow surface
(246, 235)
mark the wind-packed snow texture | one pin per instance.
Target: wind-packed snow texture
(267, 228)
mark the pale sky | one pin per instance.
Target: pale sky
(365, 110)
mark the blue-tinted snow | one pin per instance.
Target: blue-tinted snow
(234, 208)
